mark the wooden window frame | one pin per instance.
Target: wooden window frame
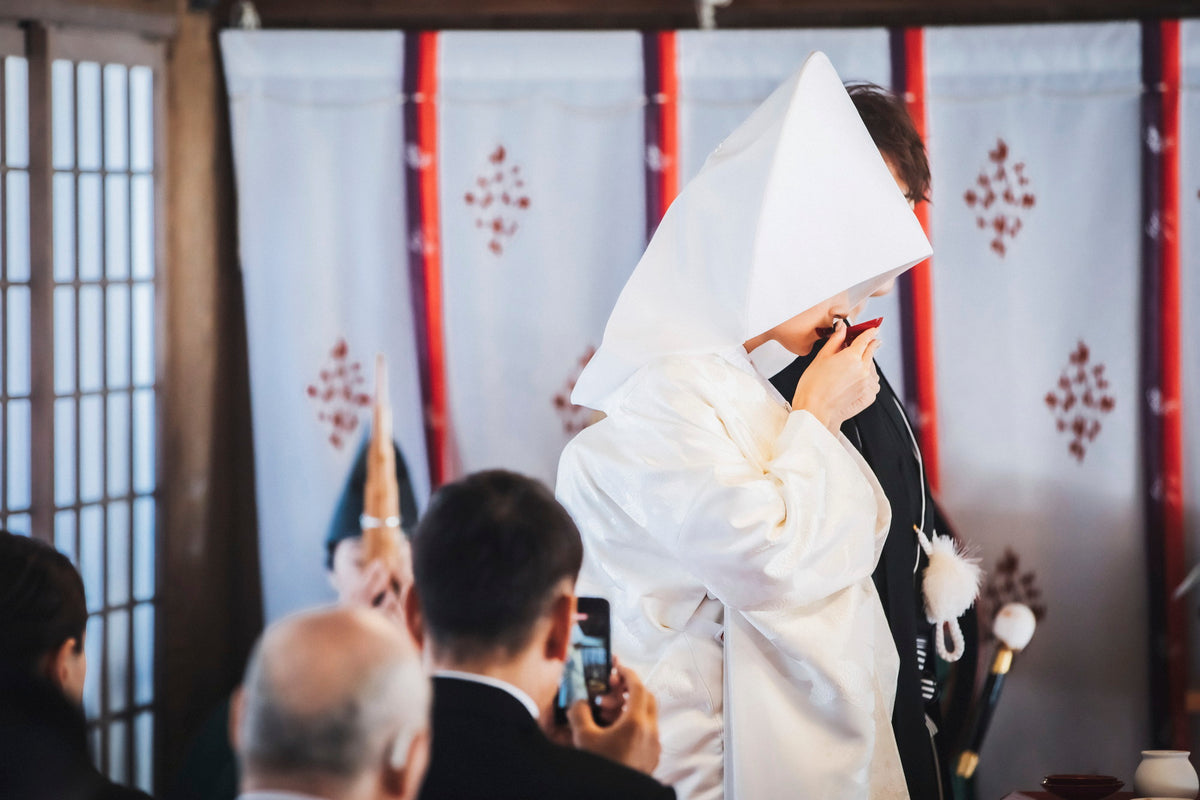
(43, 46)
(12, 44)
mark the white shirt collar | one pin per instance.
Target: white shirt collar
(495, 683)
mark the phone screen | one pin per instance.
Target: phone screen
(589, 662)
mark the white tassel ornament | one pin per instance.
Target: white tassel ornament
(1014, 626)
(951, 584)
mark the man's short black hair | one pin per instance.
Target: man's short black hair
(487, 557)
(41, 601)
(895, 135)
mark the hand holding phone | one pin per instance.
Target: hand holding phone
(632, 738)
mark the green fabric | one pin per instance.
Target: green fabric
(346, 516)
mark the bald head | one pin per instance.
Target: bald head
(330, 697)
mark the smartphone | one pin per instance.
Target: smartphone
(589, 661)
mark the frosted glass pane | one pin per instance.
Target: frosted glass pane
(93, 646)
(91, 338)
(143, 334)
(141, 117)
(64, 340)
(18, 342)
(116, 226)
(64, 226)
(143, 441)
(118, 553)
(16, 111)
(118, 444)
(118, 771)
(87, 77)
(91, 558)
(118, 336)
(18, 455)
(91, 448)
(143, 548)
(116, 117)
(17, 215)
(62, 107)
(64, 535)
(64, 452)
(118, 660)
(143, 226)
(18, 524)
(145, 751)
(143, 651)
(90, 218)
(94, 739)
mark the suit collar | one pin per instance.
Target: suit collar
(457, 697)
(495, 683)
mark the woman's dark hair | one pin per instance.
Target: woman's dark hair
(895, 135)
(487, 557)
(41, 601)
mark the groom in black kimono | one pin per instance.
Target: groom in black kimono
(882, 434)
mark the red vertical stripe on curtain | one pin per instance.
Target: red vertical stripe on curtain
(662, 124)
(921, 279)
(668, 144)
(1170, 331)
(1161, 366)
(427, 144)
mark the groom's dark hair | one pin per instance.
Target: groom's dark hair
(895, 135)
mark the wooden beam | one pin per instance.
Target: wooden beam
(153, 18)
(41, 284)
(542, 14)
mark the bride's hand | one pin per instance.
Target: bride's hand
(839, 383)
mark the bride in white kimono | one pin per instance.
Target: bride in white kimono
(733, 532)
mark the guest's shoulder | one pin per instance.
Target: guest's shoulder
(115, 791)
(591, 776)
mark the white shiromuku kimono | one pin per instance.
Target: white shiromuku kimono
(734, 537)
(735, 540)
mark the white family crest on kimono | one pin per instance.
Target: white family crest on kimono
(734, 537)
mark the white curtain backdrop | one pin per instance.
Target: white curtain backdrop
(1034, 133)
(317, 140)
(541, 184)
(1035, 147)
(1189, 224)
(724, 75)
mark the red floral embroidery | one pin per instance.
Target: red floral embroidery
(1005, 584)
(338, 394)
(574, 418)
(497, 197)
(1079, 400)
(1000, 197)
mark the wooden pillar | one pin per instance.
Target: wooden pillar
(211, 600)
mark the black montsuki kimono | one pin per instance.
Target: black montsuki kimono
(881, 435)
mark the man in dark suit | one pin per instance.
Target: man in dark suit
(883, 435)
(495, 560)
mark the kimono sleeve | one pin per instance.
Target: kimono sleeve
(780, 527)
